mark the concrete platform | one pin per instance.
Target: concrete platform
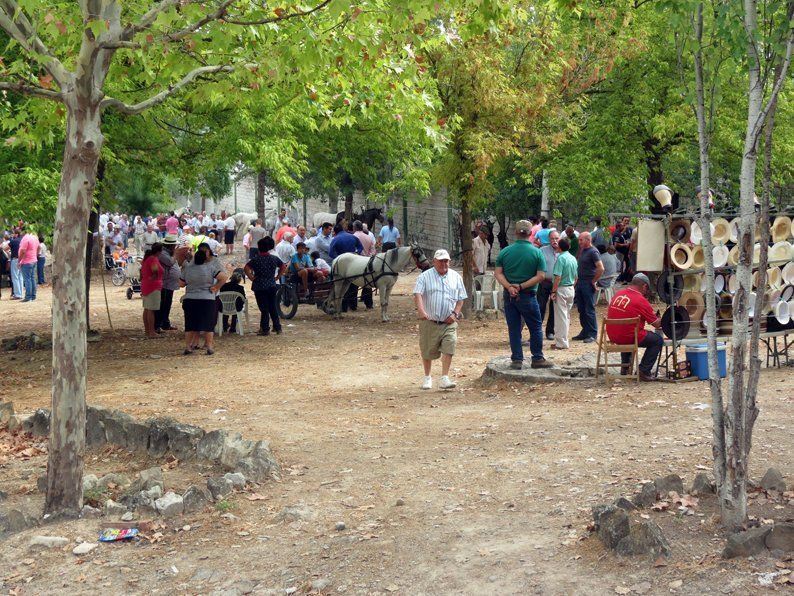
(566, 368)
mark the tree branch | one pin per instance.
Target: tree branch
(163, 95)
(148, 18)
(32, 90)
(283, 17)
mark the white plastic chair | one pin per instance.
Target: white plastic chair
(229, 307)
(609, 291)
(485, 285)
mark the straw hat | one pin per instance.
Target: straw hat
(771, 298)
(733, 283)
(726, 306)
(698, 260)
(694, 304)
(696, 234)
(734, 230)
(733, 256)
(720, 254)
(782, 312)
(788, 272)
(719, 283)
(755, 280)
(756, 253)
(681, 256)
(680, 230)
(722, 231)
(692, 282)
(780, 252)
(774, 279)
(781, 228)
(787, 293)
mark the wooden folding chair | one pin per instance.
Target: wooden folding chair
(606, 347)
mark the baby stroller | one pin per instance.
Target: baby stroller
(133, 274)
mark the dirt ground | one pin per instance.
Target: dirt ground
(484, 489)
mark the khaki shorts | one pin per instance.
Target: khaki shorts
(435, 339)
(152, 301)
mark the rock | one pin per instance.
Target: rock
(90, 512)
(117, 479)
(645, 538)
(128, 516)
(38, 424)
(624, 503)
(16, 520)
(137, 435)
(219, 487)
(340, 525)
(157, 445)
(95, 427)
(151, 477)
(613, 525)
(183, 440)
(399, 503)
(320, 584)
(671, 482)
(260, 465)
(170, 505)
(196, 498)
(237, 479)
(6, 411)
(116, 422)
(49, 541)
(41, 484)
(781, 537)
(113, 509)
(84, 548)
(702, 485)
(16, 423)
(773, 480)
(296, 513)
(210, 446)
(235, 448)
(3, 496)
(747, 543)
(647, 495)
(90, 482)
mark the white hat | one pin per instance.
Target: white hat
(441, 255)
(720, 254)
(788, 272)
(781, 228)
(782, 312)
(780, 251)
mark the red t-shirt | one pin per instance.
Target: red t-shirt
(283, 230)
(627, 304)
(151, 281)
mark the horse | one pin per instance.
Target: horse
(378, 271)
(322, 217)
(368, 216)
(242, 221)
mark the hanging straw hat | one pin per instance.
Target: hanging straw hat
(780, 252)
(755, 280)
(781, 228)
(719, 283)
(720, 254)
(681, 256)
(694, 304)
(770, 299)
(696, 234)
(692, 282)
(734, 230)
(787, 293)
(698, 260)
(680, 230)
(774, 278)
(783, 312)
(788, 272)
(664, 195)
(733, 256)
(751, 303)
(722, 231)
(756, 253)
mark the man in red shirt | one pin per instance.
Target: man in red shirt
(630, 303)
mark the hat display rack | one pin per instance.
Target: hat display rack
(681, 287)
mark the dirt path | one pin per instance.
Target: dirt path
(483, 489)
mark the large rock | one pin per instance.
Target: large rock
(647, 495)
(666, 484)
(183, 439)
(219, 487)
(90, 482)
(49, 541)
(260, 465)
(38, 424)
(157, 445)
(702, 485)
(235, 448)
(196, 498)
(116, 422)
(237, 479)
(210, 447)
(170, 505)
(645, 538)
(624, 503)
(773, 480)
(6, 411)
(113, 509)
(16, 520)
(612, 524)
(781, 537)
(148, 479)
(747, 543)
(95, 427)
(117, 479)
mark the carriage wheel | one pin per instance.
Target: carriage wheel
(129, 293)
(286, 301)
(118, 278)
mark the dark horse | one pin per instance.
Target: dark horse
(368, 216)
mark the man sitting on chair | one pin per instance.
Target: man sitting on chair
(301, 268)
(233, 285)
(627, 304)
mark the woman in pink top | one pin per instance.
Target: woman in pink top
(28, 258)
(151, 286)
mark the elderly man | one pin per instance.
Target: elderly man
(229, 230)
(300, 235)
(150, 236)
(550, 253)
(257, 233)
(564, 274)
(589, 272)
(629, 303)
(482, 249)
(439, 294)
(520, 268)
(285, 249)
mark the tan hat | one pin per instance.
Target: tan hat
(698, 260)
(692, 283)
(722, 231)
(681, 256)
(788, 273)
(733, 256)
(780, 252)
(523, 226)
(774, 278)
(694, 304)
(781, 228)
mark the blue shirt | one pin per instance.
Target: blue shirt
(543, 236)
(345, 242)
(388, 234)
(304, 260)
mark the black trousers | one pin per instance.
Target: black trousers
(653, 344)
(366, 296)
(350, 299)
(162, 317)
(227, 326)
(266, 301)
(544, 296)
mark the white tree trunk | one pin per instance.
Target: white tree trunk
(544, 197)
(69, 363)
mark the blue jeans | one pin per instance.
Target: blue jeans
(585, 304)
(40, 270)
(519, 310)
(16, 278)
(29, 279)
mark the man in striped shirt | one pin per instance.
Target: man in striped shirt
(439, 294)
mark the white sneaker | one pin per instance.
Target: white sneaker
(446, 383)
(428, 384)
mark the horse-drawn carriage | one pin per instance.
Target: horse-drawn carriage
(290, 295)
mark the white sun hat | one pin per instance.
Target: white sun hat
(720, 254)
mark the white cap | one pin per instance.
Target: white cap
(441, 255)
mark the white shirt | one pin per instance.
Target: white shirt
(284, 251)
(214, 244)
(322, 265)
(298, 238)
(230, 223)
(440, 294)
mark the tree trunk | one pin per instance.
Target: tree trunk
(349, 205)
(653, 162)
(261, 181)
(69, 363)
(544, 195)
(468, 254)
(333, 203)
(502, 235)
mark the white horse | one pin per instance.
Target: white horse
(318, 219)
(242, 221)
(379, 271)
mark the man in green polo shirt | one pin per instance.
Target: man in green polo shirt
(519, 269)
(562, 293)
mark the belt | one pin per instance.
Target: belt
(437, 322)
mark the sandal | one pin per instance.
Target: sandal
(187, 352)
(210, 351)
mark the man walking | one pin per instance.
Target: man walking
(550, 254)
(439, 294)
(520, 268)
(564, 274)
(589, 272)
